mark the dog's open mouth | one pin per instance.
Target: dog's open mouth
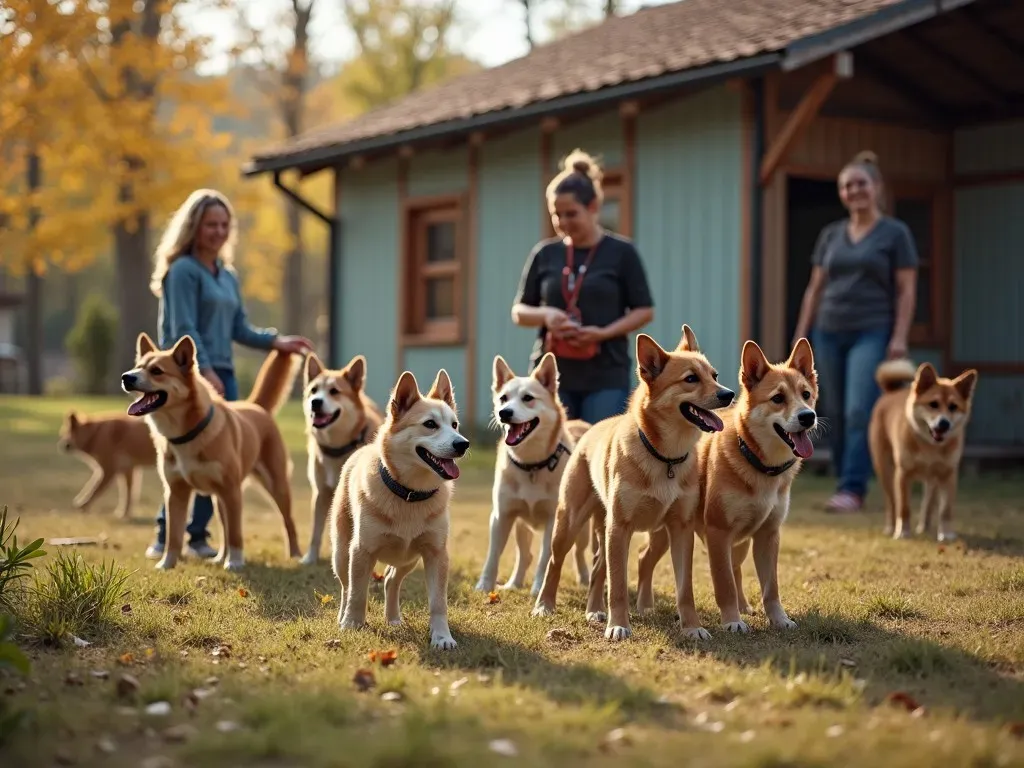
(516, 433)
(937, 436)
(324, 420)
(703, 419)
(147, 403)
(799, 442)
(446, 468)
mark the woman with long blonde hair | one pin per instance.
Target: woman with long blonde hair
(199, 295)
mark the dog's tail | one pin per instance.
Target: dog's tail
(274, 381)
(895, 374)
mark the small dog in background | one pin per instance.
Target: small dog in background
(393, 505)
(116, 447)
(529, 465)
(916, 433)
(339, 419)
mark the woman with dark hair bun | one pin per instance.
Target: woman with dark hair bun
(584, 291)
(860, 300)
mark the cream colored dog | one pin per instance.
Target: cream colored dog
(392, 505)
(529, 465)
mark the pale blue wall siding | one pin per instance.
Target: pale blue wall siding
(438, 173)
(510, 217)
(369, 283)
(988, 277)
(688, 221)
(600, 136)
(424, 363)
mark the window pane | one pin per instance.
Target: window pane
(923, 308)
(440, 298)
(916, 213)
(441, 241)
(610, 213)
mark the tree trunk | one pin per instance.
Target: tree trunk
(610, 7)
(35, 341)
(136, 304)
(295, 311)
(529, 29)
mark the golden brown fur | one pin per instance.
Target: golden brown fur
(615, 481)
(340, 418)
(415, 451)
(240, 440)
(536, 431)
(117, 447)
(745, 501)
(916, 433)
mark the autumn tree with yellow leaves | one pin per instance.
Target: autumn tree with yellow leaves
(105, 92)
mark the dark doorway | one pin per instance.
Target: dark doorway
(811, 204)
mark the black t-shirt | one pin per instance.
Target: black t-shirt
(615, 283)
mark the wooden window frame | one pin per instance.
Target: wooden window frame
(933, 264)
(417, 328)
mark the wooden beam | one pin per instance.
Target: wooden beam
(991, 92)
(627, 200)
(746, 213)
(797, 122)
(469, 280)
(546, 229)
(403, 264)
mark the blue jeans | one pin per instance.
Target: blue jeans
(594, 406)
(202, 506)
(846, 362)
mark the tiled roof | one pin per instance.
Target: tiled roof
(658, 40)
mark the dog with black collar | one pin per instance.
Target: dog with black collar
(340, 418)
(537, 441)
(393, 503)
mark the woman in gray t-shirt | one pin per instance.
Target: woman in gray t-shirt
(860, 301)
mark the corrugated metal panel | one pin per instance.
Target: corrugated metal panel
(600, 136)
(424, 362)
(996, 147)
(438, 172)
(988, 281)
(370, 232)
(689, 187)
(509, 210)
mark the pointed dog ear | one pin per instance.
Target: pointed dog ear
(405, 395)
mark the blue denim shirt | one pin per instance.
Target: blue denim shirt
(208, 308)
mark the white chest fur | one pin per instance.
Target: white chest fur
(203, 475)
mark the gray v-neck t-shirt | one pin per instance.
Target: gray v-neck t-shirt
(860, 286)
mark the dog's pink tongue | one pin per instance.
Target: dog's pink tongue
(714, 421)
(801, 444)
(138, 406)
(451, 468)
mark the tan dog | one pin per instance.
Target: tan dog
(339, 419)
(635, 473)
(746, 473)
(116, 447)
(916, 433)
(392, 505)
(211, 446)
(529, 465)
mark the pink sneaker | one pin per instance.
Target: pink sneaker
(844, 501)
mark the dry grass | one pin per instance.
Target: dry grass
(943, 625)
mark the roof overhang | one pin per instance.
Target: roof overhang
(319, 157)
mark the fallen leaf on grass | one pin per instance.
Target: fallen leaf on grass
(74, 541)
(200, 580)
(559, 635)
(159, 708)
(227, 726)
(378, 576)
(150, 653)
(1015, 729)
(126, 608)
(106, 745)
(454, 687)
(100, 674)
(322, 597)
(386, 658)
(243, 592)
(332, 643)
(222, 650)
(902, 699)
(614, 737)
(848, 662)
(79, 642)
(493, 597)
(364, 679)
(126, 658)
(127, 686)
(391, 696)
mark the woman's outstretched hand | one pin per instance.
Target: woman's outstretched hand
(296, 345)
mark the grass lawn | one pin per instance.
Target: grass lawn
(943, 625)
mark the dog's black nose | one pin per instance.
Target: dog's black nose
(806, 418)
(505, 414)
(725, 396)
(943, 425)
(316, 404)
(460, 447)
(127, 380)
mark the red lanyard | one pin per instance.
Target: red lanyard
(570, 286)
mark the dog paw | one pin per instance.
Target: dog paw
(514, 585)
(234, 565)
(901, 534)
(888, 530)
(644, 605)
(946, 536)
(783, 622)
(747, 609)
(737, 626)
(395, 621)
(309, 558)
(347, 623)
(697, 633)
(483, 586)
(165, 564)
(597, 617)
(542, 610)
(616, 634)
(442, 640)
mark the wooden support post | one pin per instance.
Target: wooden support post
(801, 117)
